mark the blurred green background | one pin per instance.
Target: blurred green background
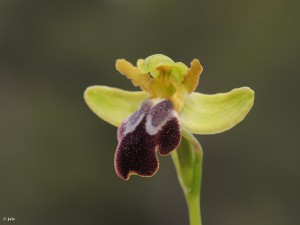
(56, 156)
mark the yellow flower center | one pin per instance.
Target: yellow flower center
(162, 77)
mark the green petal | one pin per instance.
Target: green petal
(210, 114)
(112, 104)
(151, 63)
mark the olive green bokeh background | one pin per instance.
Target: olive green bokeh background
(56, 156)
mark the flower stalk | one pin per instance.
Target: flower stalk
(188, 160)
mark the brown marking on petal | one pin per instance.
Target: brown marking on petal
(134, 120)
(120, 132)
(129, 123)
(136, 151)
(144, 108)
(160, 111)
(169, 137)
(136, 154)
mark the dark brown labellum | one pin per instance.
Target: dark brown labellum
(153, 127)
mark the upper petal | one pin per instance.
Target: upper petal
(142, 80)
(192, 78)
(112, 104)
(153, 62)
(209, 114)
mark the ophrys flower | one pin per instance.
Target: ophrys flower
(154, 119)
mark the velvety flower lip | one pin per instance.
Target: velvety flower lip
(153, 119)
(153, 127)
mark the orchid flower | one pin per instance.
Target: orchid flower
(162, 117)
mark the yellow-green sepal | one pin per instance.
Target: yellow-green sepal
(112, 104)
(210, 114)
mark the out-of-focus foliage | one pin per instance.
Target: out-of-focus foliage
(56, 157)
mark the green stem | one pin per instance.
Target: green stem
(188, 163)
(194, 210)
